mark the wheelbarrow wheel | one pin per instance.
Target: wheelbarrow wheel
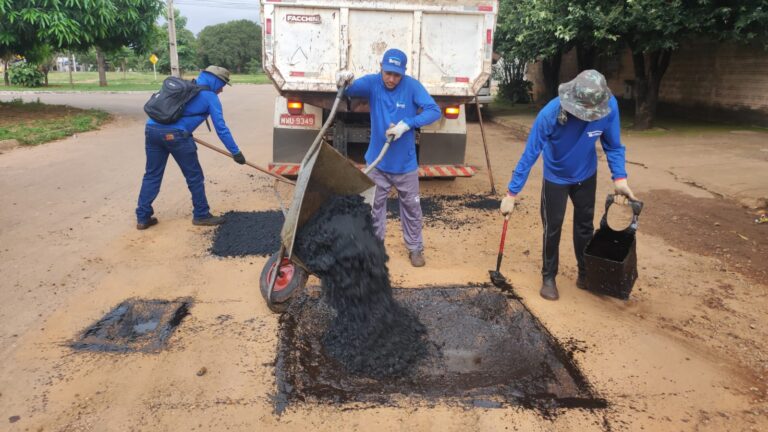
(290, 281)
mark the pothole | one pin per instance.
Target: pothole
(248, 233)
(485, 350)
(135, 325)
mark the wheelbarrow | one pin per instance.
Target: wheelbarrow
(324, 172)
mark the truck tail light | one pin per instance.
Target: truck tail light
(295, 107)
(452, 112)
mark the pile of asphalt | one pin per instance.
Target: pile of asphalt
(248, 233)
(442, 209)
(371, 334)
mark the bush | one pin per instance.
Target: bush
(26, 75)
(513, 87)
(516, 91)
(254, 66)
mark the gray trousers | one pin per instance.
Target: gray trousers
(407, 186)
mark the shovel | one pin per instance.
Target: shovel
(497, 278)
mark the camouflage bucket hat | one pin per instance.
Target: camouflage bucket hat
(586, 96)
(219, 72)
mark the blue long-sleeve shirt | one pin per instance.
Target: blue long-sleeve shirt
(201, 106)
(569, 150)
(391, 106)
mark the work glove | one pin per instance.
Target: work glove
(622, 188)
(344, 77)
(397, 130)
(239, 158)
(507, 204)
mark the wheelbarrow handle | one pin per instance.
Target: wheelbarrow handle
(331, 116)
(378, 159)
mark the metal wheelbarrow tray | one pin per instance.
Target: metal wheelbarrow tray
(324, 172)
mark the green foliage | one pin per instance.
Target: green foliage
(233, 45)
(186, 47)
(254, 66)
(512, 85)
(26, 75)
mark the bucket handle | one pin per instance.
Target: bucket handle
(637, 207)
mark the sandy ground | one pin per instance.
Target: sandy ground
(688, 352)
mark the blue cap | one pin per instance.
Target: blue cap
(394, 61)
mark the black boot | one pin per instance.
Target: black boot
(147, 224)
(209, 220)
(549, 289)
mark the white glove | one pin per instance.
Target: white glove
(397, 130)
(344, 77)
(507, 205)
(622, 188)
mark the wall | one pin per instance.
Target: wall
(705, 79)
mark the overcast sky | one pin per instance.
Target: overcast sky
(202, 13)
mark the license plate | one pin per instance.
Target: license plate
(297, 120)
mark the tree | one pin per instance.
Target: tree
(232, 45)
(28, 26)
(186, 46)
(654, 29)
(534, 30)
(133, 27)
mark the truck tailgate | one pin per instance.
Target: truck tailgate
(449, 43)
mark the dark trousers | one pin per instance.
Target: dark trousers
(159, 143)
(554, 197)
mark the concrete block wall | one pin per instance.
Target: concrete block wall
(705, 79)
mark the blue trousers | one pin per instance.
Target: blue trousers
(159, 143)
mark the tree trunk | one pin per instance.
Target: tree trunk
(585, 57)
(5, 73)
(71, 66)
(649, 69)
(550, 68)
(102, 67)
(45, 74)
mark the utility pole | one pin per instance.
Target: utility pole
(174, 60)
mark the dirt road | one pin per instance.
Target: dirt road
(687, 352)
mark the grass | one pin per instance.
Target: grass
(35, 123)
(119, 81)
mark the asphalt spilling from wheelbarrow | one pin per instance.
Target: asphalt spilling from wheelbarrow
(370, 334)
(361, 341)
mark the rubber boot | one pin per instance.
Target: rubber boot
(549, 289)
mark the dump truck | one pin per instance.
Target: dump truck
(305, 42)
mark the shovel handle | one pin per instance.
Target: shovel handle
(383, 152)
(252, 165)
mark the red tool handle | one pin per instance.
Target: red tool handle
(501, 246)
(503, 235)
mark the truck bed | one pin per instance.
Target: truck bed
(449, 43)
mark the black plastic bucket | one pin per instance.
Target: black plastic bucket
(611, 256)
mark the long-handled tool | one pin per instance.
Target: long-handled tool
(497, 278)
(485, 146)
(252, 165)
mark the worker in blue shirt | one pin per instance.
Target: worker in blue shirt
(566, 130)
(176, 140)
(399, 105)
